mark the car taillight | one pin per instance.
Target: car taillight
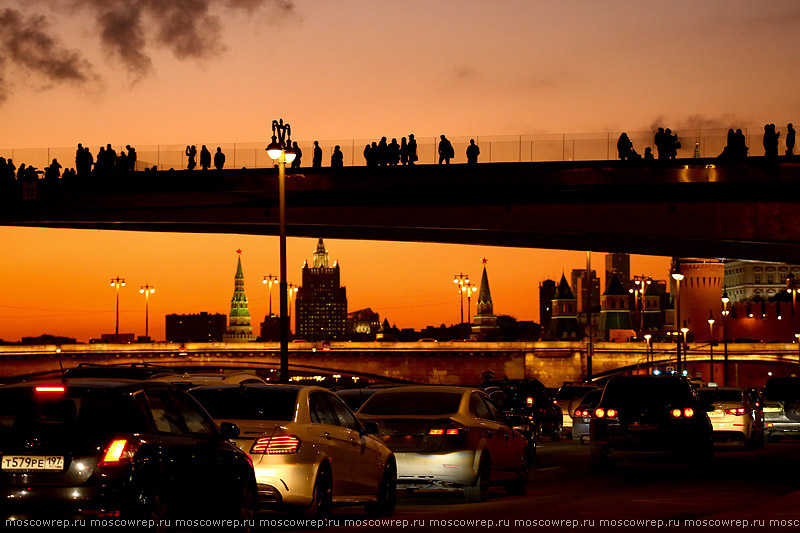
(436, 431)
(577, 413)
(737, 411)
(599, 412)
(611, 413)
(675, 413)
(118, 451)
(453, 431)
(276, 445)
(688, 412)
(529, 401)
(585, 413)
(47, 389)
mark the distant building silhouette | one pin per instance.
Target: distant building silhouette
(201, 327)
(619, 264)
(239, 328)
(364, 323)
(615, 314)
(321, 302)
(564, 321)
(547, 291)
(484, 323)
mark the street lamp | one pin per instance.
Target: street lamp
(647, 338)
(147, 290)
(469, 289)
(117, 283)
(711, 342)
(291, 292)
(280, 149)
(684, 331)
(271, 280)
(460, 280)
(725, 312)
(678, 277)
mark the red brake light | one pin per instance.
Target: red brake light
(279, 444)
(599, 412)
(118, 452)
(577, 413)
(436, 432)
(529, 401)
(675, 413)
(453, 431)
(49, 389)
(738, 411)
(611, 413)
(585, 413)
(688, 412)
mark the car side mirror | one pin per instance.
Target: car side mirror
(228, 430)
(370, 428)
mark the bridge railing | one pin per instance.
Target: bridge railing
(494, 149)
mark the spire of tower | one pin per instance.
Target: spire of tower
(485, 306)
(239, 329)
(320, 255)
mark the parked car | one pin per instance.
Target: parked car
(137, 371)
(650, 418)
(88, 448)
(781, 407)
(582, 415)
(528, 398)
(308, 449)
(451, 438)
(733, 416)
(567, 399)
(187, 380)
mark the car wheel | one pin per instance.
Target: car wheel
(517, 487)
(480, 490)
(245, 508)
(387, 494)
(322, 500)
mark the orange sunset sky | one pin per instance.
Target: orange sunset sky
(142, 72)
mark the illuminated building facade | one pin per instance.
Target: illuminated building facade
(321, 302)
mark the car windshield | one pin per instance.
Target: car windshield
(412, 403)
(569, 392)
(778, 389)
(710, 395)
(645, 391)
(591, 398)
(75, 418)
(248, 403)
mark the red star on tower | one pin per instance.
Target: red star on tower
(239, 251)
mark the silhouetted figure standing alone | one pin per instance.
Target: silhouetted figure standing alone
(789, 140)
(671, 144)
(771, 141)
(219, 159)
(624, 147)
(648, 154)
(191, 153)
(473, 152)
(316, 160)
(393, 153)
(337, 158)
(299, 154)
(412, 150)
(403, 151)
(131, 157)
(205, 158)
(446, 152)
(660, 141)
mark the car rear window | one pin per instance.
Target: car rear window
(412, 403)
(778, 389)
(591, 398)
(570, 392)
(76, 416)
(720, 395)
(645, 391)
(248, 403)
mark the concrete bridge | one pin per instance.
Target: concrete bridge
(423, 362)
(691, 207)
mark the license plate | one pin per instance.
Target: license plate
(772, 409)
(642, 427)
(715, 414)
(33, 462)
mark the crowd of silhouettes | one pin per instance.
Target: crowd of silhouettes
(735, 147)
(383, 154)
(666, 143)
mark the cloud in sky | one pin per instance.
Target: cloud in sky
(189, 29)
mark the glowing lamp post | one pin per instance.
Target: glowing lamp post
(460, 280)
(725, 312)
(147, 290)
(270, 280)
(117, 283)
(469, 289)
(678, 277)
(711, 343)
(684, 331)
(647, 338)
(280, 150)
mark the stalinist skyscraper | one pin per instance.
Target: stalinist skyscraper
(239, 329)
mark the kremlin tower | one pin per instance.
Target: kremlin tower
(239, 329)
(484, 323)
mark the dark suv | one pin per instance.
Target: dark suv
(650, 418)
(117, 448)
(781, 407)
(529, 399)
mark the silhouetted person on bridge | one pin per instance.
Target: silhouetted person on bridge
(473, 152)
(111, 160)
(316, 159)
(382, 153)
(191, 153)
(100, 163)
(393, 153)
(297, 157)
(446, 152)
(671, 144)
(789, 140)
(412, 150)
(53, 172)
(660, 141)
(771, 142)
(219, 159)
(205, 158)
(403, 151)
(337, 158)
(11, 170)
(648, 154)
(122, 164)
(131, 157)
(624, 147)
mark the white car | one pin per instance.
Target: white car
(309, 451)
(733, 415)
(451, 438)
(187, 380)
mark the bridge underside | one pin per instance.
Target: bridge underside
(687, 208)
